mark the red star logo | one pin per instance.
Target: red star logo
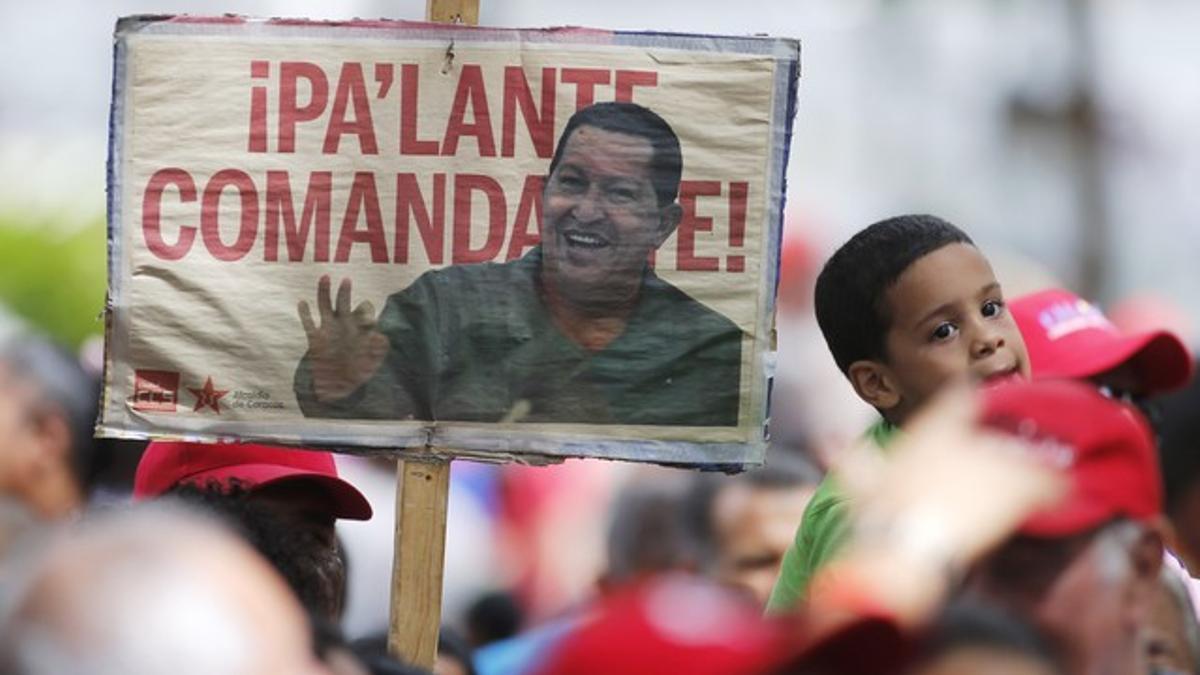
(208, 396)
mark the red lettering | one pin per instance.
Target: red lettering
(541, 127)
(529, 209)
(290, 113)
(364, 198)
(737, 225)
(470, 90)
(433, 230)
(585, 81)
(258, 108)
(628, 79)
(210, 213)
(152, 212)
(314, 216)
(351, 90)
(690, 223)
(409, 90)
(464, 185)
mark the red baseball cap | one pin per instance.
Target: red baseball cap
(682, 624)
(166, 464)
(1069, 337)
(1105, 448)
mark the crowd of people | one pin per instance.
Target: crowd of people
(1028, 501)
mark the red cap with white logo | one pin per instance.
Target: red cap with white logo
(1069, 337)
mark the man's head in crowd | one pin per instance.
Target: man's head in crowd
(493, 616)
(646, 536)
(745, 523)
(1084, 571)
(150, 591)
(47, 408)
(283, 501)
(1068, 337)
(608, 202)
(909, 304)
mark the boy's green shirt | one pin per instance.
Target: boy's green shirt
(821, 535)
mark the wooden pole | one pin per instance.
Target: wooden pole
(422, 489)
(422, 494)
(453, 11)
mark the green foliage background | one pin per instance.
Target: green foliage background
(54, 276)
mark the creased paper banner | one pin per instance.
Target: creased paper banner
(378, 235)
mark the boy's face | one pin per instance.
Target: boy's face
(948, 322)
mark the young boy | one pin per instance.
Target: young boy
(906, 306)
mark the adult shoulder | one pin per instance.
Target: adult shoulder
(673, 305)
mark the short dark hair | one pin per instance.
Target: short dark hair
(493, 616)
(1178, 429)
(315, 574)
(850, 290)
(645, 533)
(666, 165)
(783, 471)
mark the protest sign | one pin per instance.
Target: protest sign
(377, 234)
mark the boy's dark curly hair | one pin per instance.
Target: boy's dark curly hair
(850, 306)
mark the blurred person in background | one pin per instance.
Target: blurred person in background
(150, 591)
(678, 623)
(493, 616)
(1068, 337)
(647, 537)
(47, 409)
(1178, 426)
(1135, 362)
(1084, 571)
(284, 501)
(647, 533)
(551, 524)
(744, 523)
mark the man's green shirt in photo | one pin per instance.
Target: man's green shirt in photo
(822, 534)
(477, 343)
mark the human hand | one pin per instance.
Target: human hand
(944, 494)
(347, 348)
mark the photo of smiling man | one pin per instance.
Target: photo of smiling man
(579, 330)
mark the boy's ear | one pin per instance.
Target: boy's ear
(873, 382)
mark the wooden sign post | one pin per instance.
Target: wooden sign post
(422, 492)
(422, 495)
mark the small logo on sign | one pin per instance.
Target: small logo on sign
(208, 396)
(155, 390)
